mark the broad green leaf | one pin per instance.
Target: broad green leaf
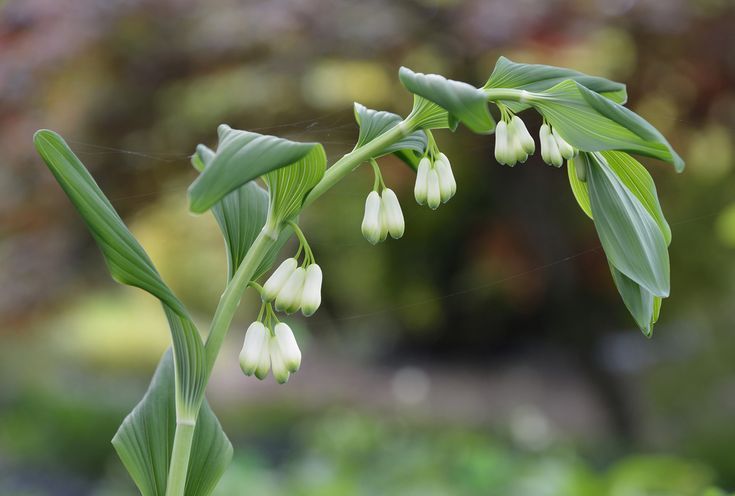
(579, 189)
(640, 183)
(128, 262)
(241, 215)
(145, 439)
(630, 236)
(539, 77)
(464, 102)
(241, 157)
(593, 123)
(373, 123)
(289, 185)
(639, 302)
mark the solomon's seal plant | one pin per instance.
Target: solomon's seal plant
(256, 186)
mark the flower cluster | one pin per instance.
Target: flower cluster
(293, 287)
(265, 348)
(383, 216)
(435, 182)
(513, 142)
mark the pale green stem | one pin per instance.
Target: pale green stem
(230, 299)
(510, 94)
(180, 458)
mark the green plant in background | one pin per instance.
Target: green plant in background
(172, 443)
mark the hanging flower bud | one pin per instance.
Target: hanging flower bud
(290, 352)
(264, 362)
(289, 298)
(434, 196)
(549, 147)
(525, 138)
(279, 277)
(255, 339)
(447, 184)
(311, 297)
(371, 220)
(393, 213)
(501, 143)
(516, 152)
(420, 190)
(280, 371)
(450, 175)
(565, 149)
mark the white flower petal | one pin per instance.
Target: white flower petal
(420, 190)
(264, 363)
(289, 298)
(290, 352)
(393, 213)
(371, 219)
(279, 277)
(252, 348)
(434, 197)
(280, 371)
(311, 297)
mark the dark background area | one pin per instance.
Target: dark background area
(486, 352)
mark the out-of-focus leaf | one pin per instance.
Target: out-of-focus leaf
(539, 77)
(373, 123)
(591, 123)
(638, 301)
(464, 102)
(145, 439)
(630, 236)
(241, 215)
(241, 157)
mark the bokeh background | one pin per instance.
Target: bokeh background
(485, 353)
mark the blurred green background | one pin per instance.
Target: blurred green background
(485, 353)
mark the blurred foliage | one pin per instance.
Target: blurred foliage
(506, 273)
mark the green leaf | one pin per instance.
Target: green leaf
(639, 302)
(579, 189)
(640, 183)
(464, 102)
(629, 234)
(289, 185)
(591, 122)
(145, 439)
(128, 263)
(373, 123)
(241, 215)
(241, 157)
(539, 77)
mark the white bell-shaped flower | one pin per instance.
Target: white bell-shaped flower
(565, 149)
(289, 298)
(501, 143)
(279, 277)
(525, 138)
(311, 296)
(383, 223)
(447, 184)
(280, 371)
(255, 340)
(421, 189)
(371, 220)
(290, 352)
(392, 214)
(264, 362)
(516, 153)
(549, 147)
(434, 196)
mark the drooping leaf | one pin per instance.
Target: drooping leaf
(464, 102)
(289, 185)
(630, 236)
(539, 77)
(591, 123)
(638, 301)
(128, 262)
(640, 183)
(241, 215)
(145, 439)
(373, 123)
(241, 157)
